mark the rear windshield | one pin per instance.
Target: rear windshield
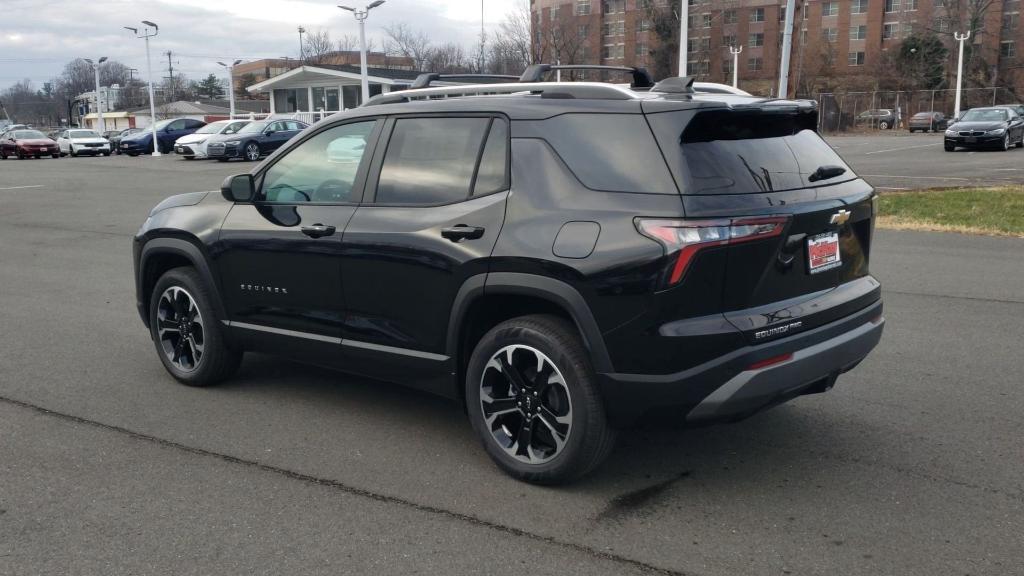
(738, 152)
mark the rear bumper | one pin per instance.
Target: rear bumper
(726, 389)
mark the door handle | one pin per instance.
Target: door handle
(461, 232)
(317, 230)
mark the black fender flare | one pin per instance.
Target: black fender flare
(188, 250)
(543, 287)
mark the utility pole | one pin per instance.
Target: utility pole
(149, 73)
(302, 46)
(787, 48)
(684, 24)
(170, 77)
(961, 38)
(361, 15)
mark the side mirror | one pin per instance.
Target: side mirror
(238, 188)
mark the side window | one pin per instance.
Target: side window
(176, 125)
(430, 160)
(491, 176)
(321, 169)
(274, 127)
(233, 128)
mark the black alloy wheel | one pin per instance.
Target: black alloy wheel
(252, 152)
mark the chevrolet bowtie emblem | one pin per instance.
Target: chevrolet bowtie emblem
(840, 217)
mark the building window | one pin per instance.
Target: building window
(757, 15)
(582, 7)
(641, 49)
(856, 59)
(756, 40)
(755, 64)
(643, 24)
(1010, 21)
(858, 32)
(892, 5)
(613, 6)
(782, 13)
(859, 7)
(729, 16)
(1008, 49)
(829, 34)
(890, 30)
(729, 40)
(727, 66)
(830, 8)
(583, 30)
(910, 5)
(706, 20)
(908, 29)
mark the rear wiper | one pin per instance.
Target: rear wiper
(826, 172)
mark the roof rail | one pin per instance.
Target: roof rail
(536, 72)
(424, 80)
(675, 85)
(588, 90)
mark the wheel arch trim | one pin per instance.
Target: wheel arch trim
(185, 249)
(520, 284)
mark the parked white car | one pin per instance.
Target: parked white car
(193, 145)
(77, 141)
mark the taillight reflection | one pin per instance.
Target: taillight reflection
(686, 238)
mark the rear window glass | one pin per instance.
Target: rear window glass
(735, 152)
(610, 152)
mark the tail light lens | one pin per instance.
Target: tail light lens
(685, 238)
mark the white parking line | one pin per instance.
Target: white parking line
(904, 148)
(21, 187)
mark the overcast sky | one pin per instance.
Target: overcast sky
(37, 37)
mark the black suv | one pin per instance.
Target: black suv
(563, 258)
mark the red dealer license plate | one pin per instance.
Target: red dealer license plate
(823, 252)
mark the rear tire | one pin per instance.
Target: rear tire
(181, 304)
(883, 125)
(545, 425)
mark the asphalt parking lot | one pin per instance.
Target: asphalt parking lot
(903, 161)
(912, 465)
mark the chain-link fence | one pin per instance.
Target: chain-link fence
(890, 110)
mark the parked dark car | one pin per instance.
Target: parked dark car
(992, 127)
(563, 259)
(927, 121)
(1017, 108)
(26, 144)
(167, 131)
(254, 140)
(881, 118)
(115, 140)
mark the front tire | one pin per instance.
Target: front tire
(949, 147)
(1006, 143)
(532, 398)
(883, 125)
(252, 152)
(188, 336)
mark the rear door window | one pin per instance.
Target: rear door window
(434, 160)
(737, 152)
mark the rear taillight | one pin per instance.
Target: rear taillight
(685, 238)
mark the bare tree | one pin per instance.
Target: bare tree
(348, 43)
(509, 47)
(404, 41)
(317, 45)
(448, 58)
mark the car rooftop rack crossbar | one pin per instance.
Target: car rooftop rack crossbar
(583, 90)
(424, 80)
(537, 72)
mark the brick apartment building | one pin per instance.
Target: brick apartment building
(836, 43)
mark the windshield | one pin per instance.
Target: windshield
(253, 127)
(83, 134)
(29, 135)
(212, 128)
(985, 115)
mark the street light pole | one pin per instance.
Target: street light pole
(361, 15)
(149, 72)
(735, 65)
(231, 86)
(99, 104)
(684, 35)
(302, 46)
(960, 69)
(787, 49)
